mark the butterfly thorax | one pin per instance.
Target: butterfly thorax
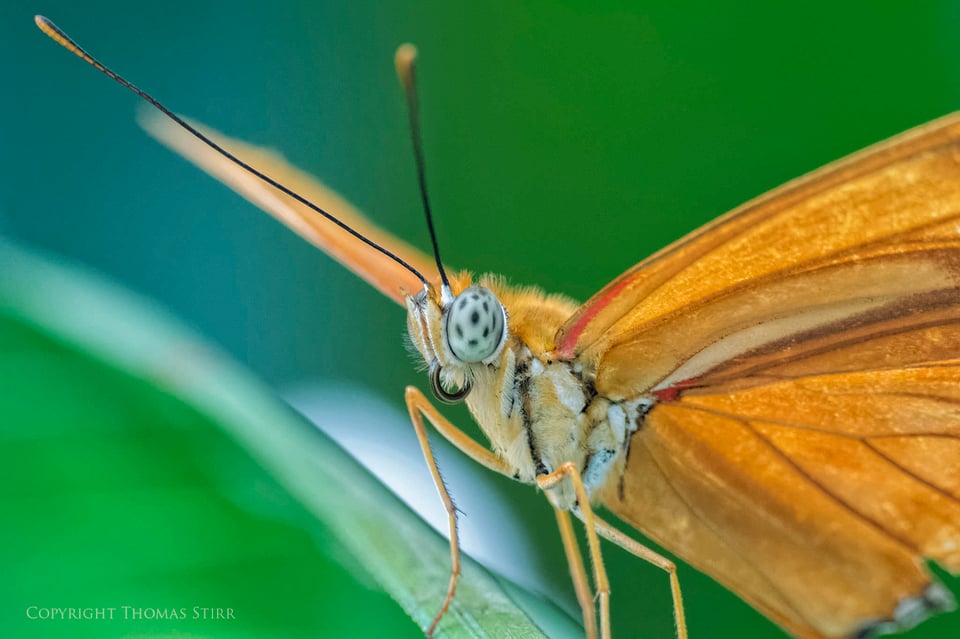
(538, 412)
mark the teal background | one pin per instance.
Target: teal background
(564, 142)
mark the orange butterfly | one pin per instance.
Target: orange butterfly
(775, 398)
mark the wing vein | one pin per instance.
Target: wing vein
(814, 429)
(803, 473)
(840, 345)
(876, 369)
(745, 558)
(910, 473)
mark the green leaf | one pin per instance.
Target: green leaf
(143, 472)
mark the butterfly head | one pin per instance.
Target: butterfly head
(457, 334)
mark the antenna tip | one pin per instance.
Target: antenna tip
(404, 59)
(43, 23)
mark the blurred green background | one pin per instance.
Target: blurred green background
(564, 142)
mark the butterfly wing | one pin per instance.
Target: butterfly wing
(807, 498)
(901, 194)
(384, 274)
(805, 352)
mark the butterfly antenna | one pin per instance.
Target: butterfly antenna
(406, 59)
(69, 44)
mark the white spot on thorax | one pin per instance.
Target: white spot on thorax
(536, 366)
(569, 389)
(617, 418)
(595, 474)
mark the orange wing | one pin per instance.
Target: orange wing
(805, 352)
(384, 274)
(813, 499)
(901, 195)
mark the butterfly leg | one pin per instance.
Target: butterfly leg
(577, 573)
(419, 406)
(637, 549)
(546, 482)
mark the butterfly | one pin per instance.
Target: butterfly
(774, 398)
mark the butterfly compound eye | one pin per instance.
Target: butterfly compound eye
(475, 325)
